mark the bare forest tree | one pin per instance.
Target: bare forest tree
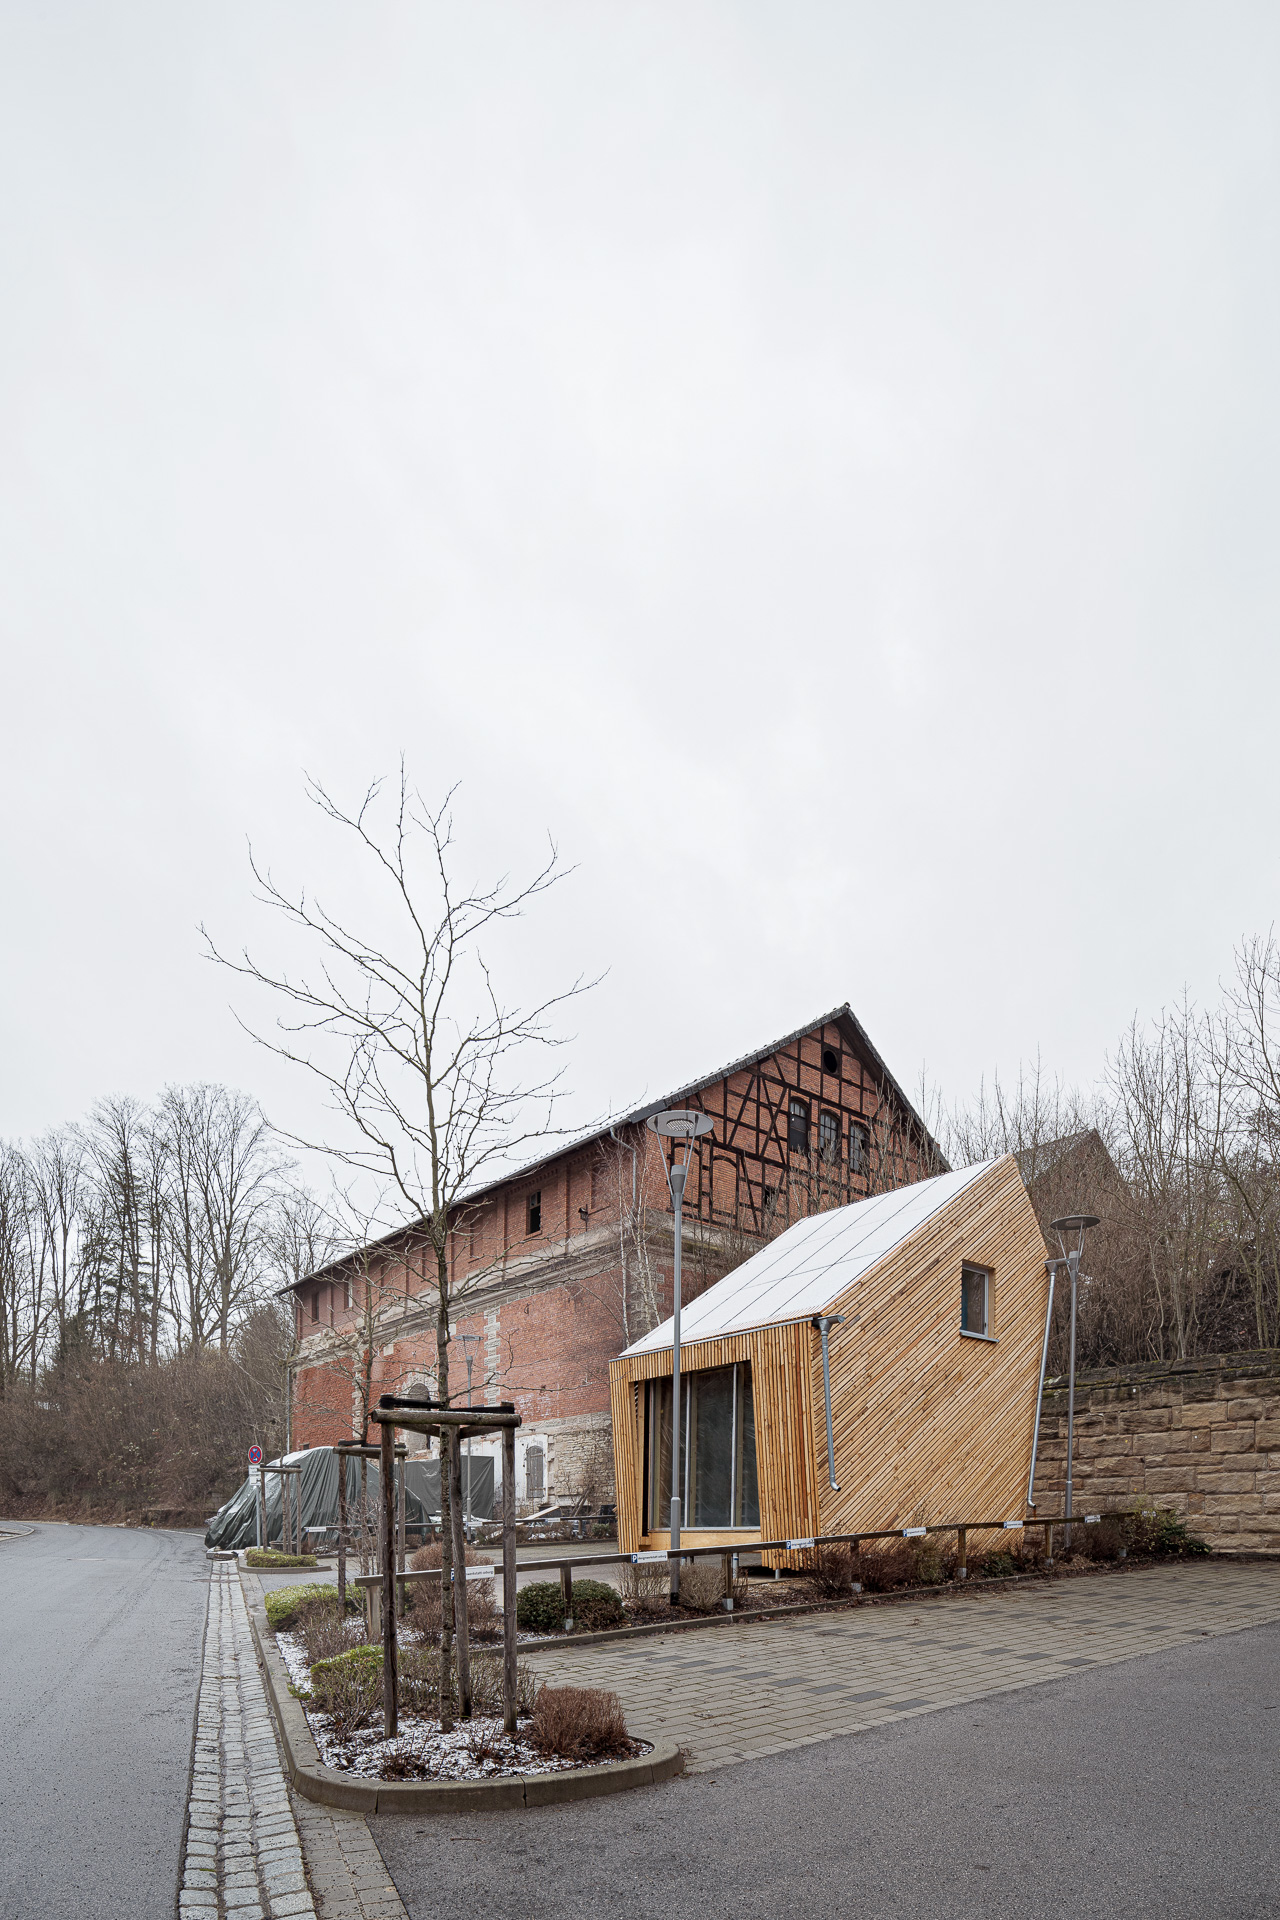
(148, 1238)
(1176, 1151)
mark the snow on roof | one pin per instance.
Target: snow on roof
(804, 1269)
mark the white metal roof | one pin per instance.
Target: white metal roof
(804, 1269)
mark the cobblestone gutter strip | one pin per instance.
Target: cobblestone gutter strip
(243, 1860)
(334, 1789)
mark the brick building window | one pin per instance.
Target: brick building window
(798, 1126)
(533, 1213)
(315, 1303)
(829, 1137)
(830, 1060)
(859, 1147)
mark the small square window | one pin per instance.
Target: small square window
(859, 1147)
(974, 1291)
(533, 1212)
(798, 1126)
(829, 1137)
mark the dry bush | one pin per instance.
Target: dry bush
(702, 1585)
(883, 1565)
(1106, 1541)
(645, 1590)
(324, 1631)
(484, 1616)
(349, 1689)
(834, 1570)
(579, 1723)
(486, 1684)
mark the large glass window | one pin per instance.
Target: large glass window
(718, 1456)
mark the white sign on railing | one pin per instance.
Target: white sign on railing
(637, 1558)
(1092, 1519)
(794, 1544)
(1012, 1526)
(914, 1533)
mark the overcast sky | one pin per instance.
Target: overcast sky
(817, 462)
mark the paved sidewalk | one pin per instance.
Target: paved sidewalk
(255, 1850)
(738, 1693)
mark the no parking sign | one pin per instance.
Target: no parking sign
(255, 1456)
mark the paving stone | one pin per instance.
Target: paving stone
(795, 1681)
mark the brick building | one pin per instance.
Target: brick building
(559, 1266)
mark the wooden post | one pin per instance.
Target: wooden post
(962, 1570)
(460, 1580)
(400, 1533)
(390, 1676)
(342, 1535)
(446, 1585)
(566, 1588)
(509, 1579)
(1048, 1543)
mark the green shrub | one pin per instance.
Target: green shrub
(540, 1607)
(596, 1606)
(349, 1688)
(282, 1605)
(1159, 1530)
(268, 1557)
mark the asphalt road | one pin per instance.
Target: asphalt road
(100, 1639)
(1148, 1788)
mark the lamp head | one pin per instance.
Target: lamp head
(1073, 1223)
(679, 1123)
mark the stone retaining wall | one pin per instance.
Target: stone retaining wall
(1201, 1436)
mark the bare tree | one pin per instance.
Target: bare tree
(417, 1053)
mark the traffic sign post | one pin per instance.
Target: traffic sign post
(259, 1498)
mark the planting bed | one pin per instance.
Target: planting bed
(559, 1730)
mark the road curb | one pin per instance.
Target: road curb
(315, 1781)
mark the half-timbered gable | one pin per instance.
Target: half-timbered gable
(558, 1267)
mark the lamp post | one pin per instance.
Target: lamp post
(1077, 1224)
(677, 1124)
(470, 1341)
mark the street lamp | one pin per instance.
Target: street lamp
(470, 1341)
(1077, 1224)
(677, 1124)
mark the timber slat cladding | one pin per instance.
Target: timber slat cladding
(929, 1425)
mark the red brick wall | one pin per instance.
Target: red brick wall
(546, 1305)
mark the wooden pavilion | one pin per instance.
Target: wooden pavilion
(935, 1295)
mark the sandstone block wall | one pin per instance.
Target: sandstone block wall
(1200, 1436)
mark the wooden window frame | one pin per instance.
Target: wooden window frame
(833, 1160)
(532, 1205)
(795, 1100)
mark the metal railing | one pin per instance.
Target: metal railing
(808, 1545)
